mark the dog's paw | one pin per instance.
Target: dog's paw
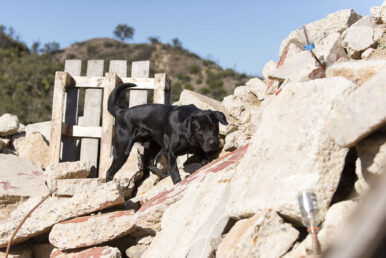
(192, 167)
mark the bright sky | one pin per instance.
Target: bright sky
(243, 34)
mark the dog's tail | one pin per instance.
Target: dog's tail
(113, 106)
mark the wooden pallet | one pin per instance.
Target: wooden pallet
(95, 130)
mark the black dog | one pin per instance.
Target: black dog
(162, 129)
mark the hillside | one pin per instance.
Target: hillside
(186, 69)
(27, 75)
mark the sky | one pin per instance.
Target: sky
(243, 35)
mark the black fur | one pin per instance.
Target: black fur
(163, 130)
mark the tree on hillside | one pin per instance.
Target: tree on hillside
(51, 48)
(123, 32)
(176, 43)
(154, 40)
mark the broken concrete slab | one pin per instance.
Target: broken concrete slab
(268, 68)
(67, 170)
(257, 87)
(263, 235)
(372, 154)
(55, 210)
(91, 230)
(359, 37)
(44, 128)
(9, 124)
(359, 114)
(297, 68)
(318, 30)
(70, 187)
(95, 252)
(20, 179)
(32, 146)
(357, 71)
(295, 153)
(199, 216)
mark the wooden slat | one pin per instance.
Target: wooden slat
(82, 131)
(61, 81)
(161, 89)
(99, 82)
(92, 116)
(73, 68)
(117, 67)
(140, 69)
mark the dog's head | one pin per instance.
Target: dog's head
(203, 127)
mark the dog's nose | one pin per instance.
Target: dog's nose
(213, 143)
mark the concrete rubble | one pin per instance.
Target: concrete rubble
(300, 126)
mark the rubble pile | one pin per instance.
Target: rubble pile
(301, 126)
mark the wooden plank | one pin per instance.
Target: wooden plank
(116, 68)
(82, 131)
(99, 82)
(140, 69)
(92, 116)
(161, 89)
(61, 81)
(70, 109)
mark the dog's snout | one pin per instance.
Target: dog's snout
(213, 143)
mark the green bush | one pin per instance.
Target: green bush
(194, 69)
(108, 44)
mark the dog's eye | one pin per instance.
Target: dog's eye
(200, 132)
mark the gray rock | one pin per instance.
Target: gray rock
(291, 151)
(263, 235)
(361, 113)
(372, 154)
(67, 170)
(95, 252)
(9, 124)
(55, 210)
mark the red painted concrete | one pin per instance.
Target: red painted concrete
(92, 252)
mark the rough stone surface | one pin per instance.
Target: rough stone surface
(136, 251)
(67, 170)
(44, 128)
(263, 235)
(17, 252)
(20, 178)
(361, 113)
(234, 106)
(257, 87)
(367, 53)
(32, 146)
(9, 124)
(70, 187)
(95, 252)
(42, 250)
(55, 210)
(335, 218)
(91, 230)
(318, 30)
(295, 153)
(235, 140)
(357, 71)
(330, 49)
(188, 97)
(199, 216)
(297, 68)
(372, 154)
(268, 68)
(359, 37)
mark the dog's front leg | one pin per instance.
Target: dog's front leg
(173, 169)
(203, 157)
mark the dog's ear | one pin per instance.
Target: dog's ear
(221, 117)
(187, 125)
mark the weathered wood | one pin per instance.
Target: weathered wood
(92, 115)
(68, 152)
(140, 69)
(98, 82)
(62, 79)
(117, 67)
(161, 89)
(82, 131)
